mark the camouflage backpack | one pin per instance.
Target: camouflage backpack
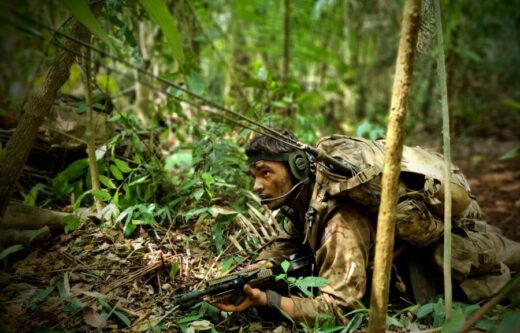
(421, 194)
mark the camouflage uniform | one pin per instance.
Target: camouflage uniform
(341, 237)
(340, 242)
(340, 232)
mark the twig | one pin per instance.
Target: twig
(513, 285)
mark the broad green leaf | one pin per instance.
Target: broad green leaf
(10, 250)
(129, 228)
(391, 321)
(195, 212)
(42, 295)
(455, 322)
(285, 265)
(217, 237)
(123, 318)
(226, 264)
(81, 11)
(196, 83)
(198, 194)
(102, 195)
(139, 180)
(159, 14)
(72, 222)
(510, 323)
(510, 154)
(122, 165)
(107, 181)
(425, 310)
(354, 324)
(30, 198)
(74, 170)
(182, 159)
(310, 282)
(115, 172)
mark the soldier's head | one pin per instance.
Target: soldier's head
(276, 168)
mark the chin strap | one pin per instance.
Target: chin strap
(301, 182)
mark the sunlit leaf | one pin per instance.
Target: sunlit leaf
(72, 222)
(122, 165)
(285, 265)
(107, 181)
(115, 172)
(226, 264)
(306, 283)
(159, 14)
(102, 195)
(82, 12)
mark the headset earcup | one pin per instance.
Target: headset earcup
(299, 165)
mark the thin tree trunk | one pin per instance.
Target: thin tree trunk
(91, 149)
(441, 70)
(38, 107)
(391, 171)
(286, 32)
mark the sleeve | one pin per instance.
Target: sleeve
(283, 246)
(342, 259)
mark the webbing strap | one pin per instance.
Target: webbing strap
(361, 177)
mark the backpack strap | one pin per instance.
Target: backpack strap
(365, 175)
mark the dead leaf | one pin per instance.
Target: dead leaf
(200, 325)
(94, 319)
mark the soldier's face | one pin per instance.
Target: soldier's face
(272, 179)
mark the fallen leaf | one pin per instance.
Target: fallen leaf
(94, 319)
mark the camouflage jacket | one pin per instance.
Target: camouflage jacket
(340, 238)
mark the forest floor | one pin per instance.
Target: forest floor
(94, 278)
(494, 182)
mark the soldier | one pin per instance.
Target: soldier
(340, 235)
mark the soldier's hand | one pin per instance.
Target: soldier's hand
(254, 297)
(261, 264)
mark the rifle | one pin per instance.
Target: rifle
(230, 287)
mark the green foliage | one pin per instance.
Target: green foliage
(82, 12)
(10, 250)
(160, 15)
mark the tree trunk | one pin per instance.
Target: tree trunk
(286, 32)
(22, 216)
(391, 171)
(38, 107)
(10, 237)
(441, 70)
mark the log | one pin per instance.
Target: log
(10, 237)
(25, 217)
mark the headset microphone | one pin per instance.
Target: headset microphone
(301, 182)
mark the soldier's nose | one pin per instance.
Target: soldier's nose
(258, 187)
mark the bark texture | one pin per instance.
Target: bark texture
(37, 108)
(441, 70)
(25, 217)
(391, 170)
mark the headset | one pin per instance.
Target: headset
(300, 166)
(300, 163)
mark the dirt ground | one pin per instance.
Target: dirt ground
(494, 182)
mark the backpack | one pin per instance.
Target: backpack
(420, 206)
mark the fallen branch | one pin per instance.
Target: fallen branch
(513, 285)
(22, 216)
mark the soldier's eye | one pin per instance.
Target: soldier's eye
(266, 173)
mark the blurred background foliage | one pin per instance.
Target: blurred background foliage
(169, 160)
